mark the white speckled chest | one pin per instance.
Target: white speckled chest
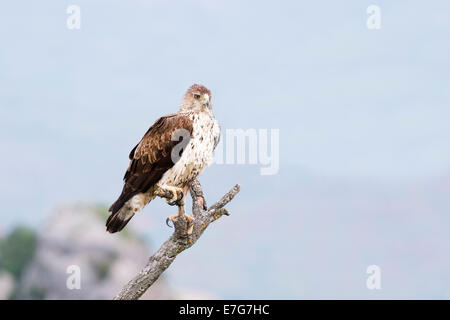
(198, 152)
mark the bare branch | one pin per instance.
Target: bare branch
(178, 242)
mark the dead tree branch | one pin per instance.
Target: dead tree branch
(178, 242)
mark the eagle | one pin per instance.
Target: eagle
(172, 153)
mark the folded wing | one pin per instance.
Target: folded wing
(152, 156)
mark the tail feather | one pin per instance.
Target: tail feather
(122, 212)
(118, 220)
(125, 196)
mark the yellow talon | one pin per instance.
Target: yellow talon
(189, 218)
(175, 192)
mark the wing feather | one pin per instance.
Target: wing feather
(151, 157)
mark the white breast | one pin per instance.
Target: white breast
(198, 152)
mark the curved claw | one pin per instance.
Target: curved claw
(167, 222)
(176, 202)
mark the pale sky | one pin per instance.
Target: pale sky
(363, 118)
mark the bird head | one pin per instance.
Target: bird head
(197, 98)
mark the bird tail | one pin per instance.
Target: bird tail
(124, 209)
(119, 219)
(121, 211)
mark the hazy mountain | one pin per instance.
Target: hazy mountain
(73, 236)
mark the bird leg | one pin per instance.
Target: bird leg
(177, 195)
(181, 212)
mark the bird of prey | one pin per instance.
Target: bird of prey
(172, 153)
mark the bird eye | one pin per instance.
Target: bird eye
(196, 96)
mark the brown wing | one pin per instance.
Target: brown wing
(151, 157)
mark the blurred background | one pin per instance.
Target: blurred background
(364, 173)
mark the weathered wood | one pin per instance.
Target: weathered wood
(178, 242)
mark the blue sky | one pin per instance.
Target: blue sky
(363, 118)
